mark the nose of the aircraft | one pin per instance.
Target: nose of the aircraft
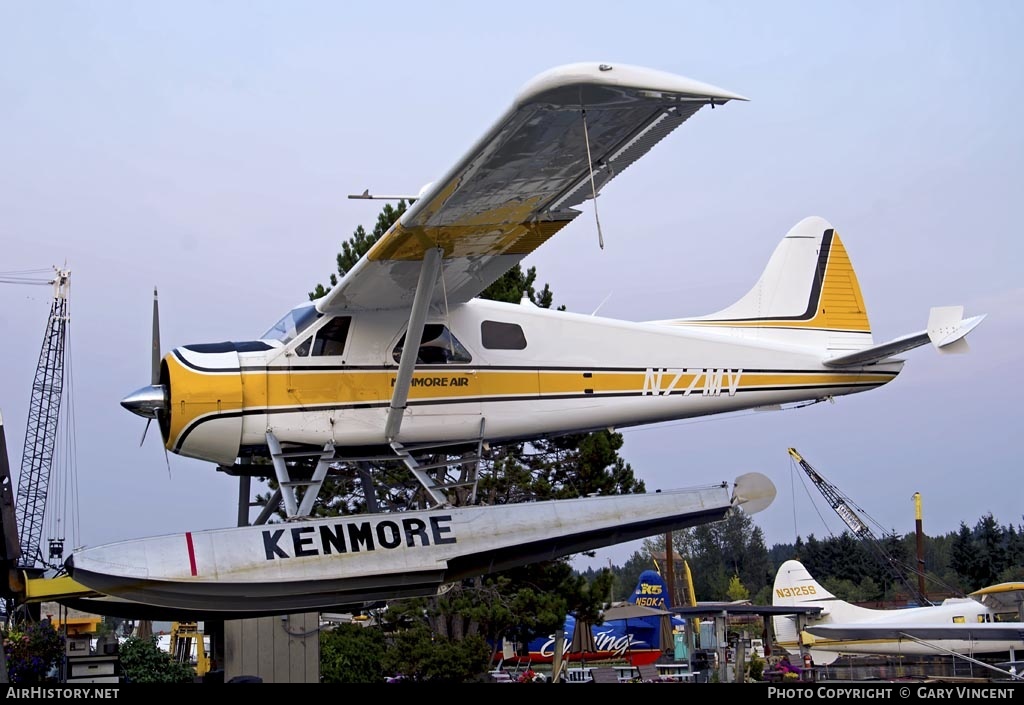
(147, 402)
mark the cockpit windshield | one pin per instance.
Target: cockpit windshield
(293, 323)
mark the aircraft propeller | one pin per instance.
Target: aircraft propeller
(151, 401)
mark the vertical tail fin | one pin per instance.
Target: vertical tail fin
(807, 294)
(651, 591)
(795, 587)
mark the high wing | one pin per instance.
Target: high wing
(569, 132)
(1004, 597)
(986, 631)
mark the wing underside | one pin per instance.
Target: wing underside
(1010, 631)
(569, 132)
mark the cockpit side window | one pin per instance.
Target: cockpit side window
(437, 347)
(330, 340)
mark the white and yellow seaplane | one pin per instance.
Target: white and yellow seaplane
(988, 621)
(335, 380)
(336, 374)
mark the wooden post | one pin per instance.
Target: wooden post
(920, 547)
(670, 572)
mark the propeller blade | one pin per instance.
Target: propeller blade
(156, 341)
(144, 431)
(167, 458)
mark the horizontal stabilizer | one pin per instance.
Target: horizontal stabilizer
(946, 331)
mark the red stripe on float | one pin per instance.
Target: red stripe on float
(191, 552)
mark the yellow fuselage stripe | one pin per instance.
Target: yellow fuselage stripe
(197, 394)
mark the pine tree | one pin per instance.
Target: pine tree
(518, 604)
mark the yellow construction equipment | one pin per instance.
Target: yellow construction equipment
(186, 638)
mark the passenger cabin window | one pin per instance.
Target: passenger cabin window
(496, 335)
(437, 347)
(329, 340)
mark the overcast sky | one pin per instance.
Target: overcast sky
(207, 148)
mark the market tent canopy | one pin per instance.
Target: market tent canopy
(582, 638)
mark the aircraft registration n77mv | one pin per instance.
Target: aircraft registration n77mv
(335, 378)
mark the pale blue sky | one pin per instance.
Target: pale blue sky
(207, 148)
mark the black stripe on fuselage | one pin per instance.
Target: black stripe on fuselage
(256, 411)
(229, 346)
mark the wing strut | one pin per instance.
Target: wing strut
(417, 317)
(286, 486)
(593, 186)
(1013, 675)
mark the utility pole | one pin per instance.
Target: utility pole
(920, 543)
(670, 570)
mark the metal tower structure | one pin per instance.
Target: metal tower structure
(41, 431)
(859, 528)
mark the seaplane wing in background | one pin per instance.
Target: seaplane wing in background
(335, 378)
(987, 621)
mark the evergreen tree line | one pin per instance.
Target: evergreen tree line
(728, 560)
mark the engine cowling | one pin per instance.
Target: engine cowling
(204, 385)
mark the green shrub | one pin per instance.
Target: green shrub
(350, 653)
(756, 667)
(142, 661)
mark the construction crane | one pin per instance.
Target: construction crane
(41, 432)
(858, 527)
(24, 587)
(44, 413)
